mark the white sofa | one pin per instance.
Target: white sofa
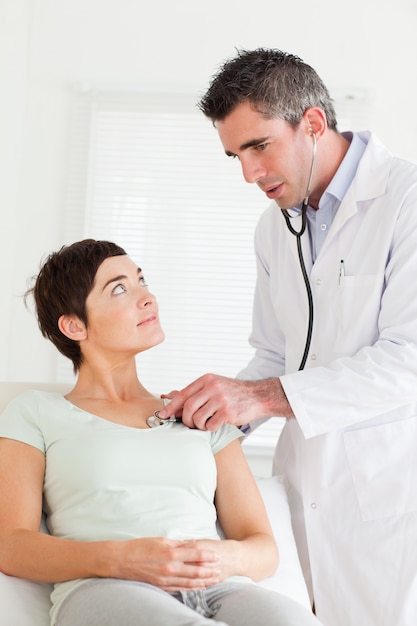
(26, 603)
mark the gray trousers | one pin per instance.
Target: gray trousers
(112, 602)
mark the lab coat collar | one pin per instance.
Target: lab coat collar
(369, 182)
(372, 175)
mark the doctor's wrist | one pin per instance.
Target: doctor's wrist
(272, 397)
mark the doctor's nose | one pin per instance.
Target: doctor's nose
(252, 172)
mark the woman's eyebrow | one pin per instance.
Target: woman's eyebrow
(121, 277)
(113, 280)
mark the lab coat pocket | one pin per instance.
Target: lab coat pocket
(359, 308)
(383, 465)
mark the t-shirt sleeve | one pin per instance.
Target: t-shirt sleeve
(20, 421)
(224, 435)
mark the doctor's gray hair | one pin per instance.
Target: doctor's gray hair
(276, 83)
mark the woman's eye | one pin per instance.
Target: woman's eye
(118, 289)
(142, 281)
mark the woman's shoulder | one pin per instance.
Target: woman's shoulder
(25, 416)
(224, 435)
(36, 396)
(30, 404)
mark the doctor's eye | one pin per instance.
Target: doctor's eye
(142, 281)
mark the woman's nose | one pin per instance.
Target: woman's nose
(145, 297)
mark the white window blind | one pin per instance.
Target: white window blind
(148, 171)
(159, 184)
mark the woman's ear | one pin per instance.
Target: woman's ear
(72, 327)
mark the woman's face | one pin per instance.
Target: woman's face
(122, 314)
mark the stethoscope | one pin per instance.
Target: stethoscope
(154, 420)
(298, 235)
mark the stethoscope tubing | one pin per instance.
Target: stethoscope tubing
(298, 234)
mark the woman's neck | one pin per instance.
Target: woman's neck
(112, 383)
(116, 395)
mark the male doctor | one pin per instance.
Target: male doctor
(334, 333)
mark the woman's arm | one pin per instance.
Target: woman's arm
(27, 553)
(250, 548)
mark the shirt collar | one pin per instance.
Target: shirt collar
(346, 171)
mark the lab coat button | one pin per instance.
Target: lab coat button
(313, 505)
(318, 281)
(313, 357)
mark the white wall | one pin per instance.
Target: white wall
(48, 45)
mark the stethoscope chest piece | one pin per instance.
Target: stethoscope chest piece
(154, 420)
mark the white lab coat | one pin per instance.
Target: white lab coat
(350, 456)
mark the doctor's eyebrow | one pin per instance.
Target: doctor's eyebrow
(121, 277)
(249, 144)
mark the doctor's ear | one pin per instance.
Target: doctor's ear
(315, 120)
(72, 327)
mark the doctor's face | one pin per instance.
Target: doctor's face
(273, 154)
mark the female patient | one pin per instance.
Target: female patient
(130, 503)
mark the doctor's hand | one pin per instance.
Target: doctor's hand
(213, 400)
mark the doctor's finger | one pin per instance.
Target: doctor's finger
(210, 407)
(196, 414)
(170, 395)
(181, 397)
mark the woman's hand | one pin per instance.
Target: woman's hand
(170, 565)
(231, 555)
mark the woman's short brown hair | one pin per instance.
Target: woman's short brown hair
(62, 286)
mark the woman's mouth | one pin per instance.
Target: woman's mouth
(150, 319)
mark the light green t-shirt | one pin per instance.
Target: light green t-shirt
(106, 481)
